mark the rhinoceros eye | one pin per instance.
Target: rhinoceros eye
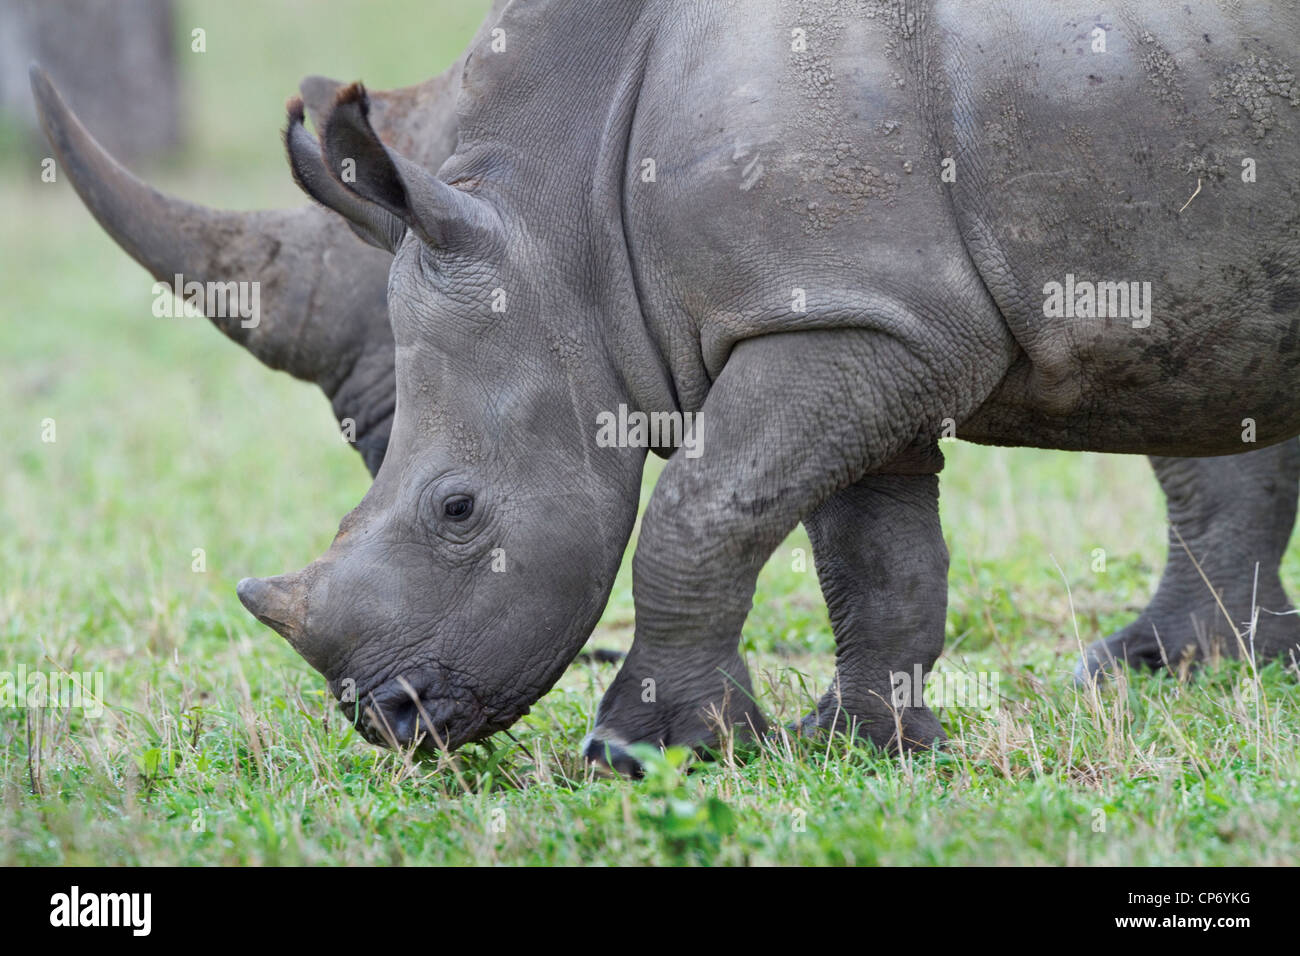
(458, 507)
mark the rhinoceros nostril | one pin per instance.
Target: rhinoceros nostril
(397, 722)
(399, 713)
(404, 721)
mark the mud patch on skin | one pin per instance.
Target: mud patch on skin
(1207, 166)
(1161, 70)
(847, 183)
(461, 440)
(1252, 88)
(1005, 134)
(566, 347)
(838, 180)
(463, 444)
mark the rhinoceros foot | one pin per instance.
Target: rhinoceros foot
(1178, 641)
(1230, 521)
(916, 727)
(698, 708)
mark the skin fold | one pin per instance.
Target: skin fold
(922, 305)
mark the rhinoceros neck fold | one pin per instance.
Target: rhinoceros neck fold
(576, 166)
(636, 350)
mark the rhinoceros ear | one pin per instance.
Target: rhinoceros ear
(318, 95)
(373, 224)
(442, 215)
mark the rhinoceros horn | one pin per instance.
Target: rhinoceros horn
(280, 604)
(284, 249)
(322, 292)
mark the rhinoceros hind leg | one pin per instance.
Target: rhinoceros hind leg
(883, 568)
(1232, 513)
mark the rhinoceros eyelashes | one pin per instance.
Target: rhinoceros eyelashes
(352, 171)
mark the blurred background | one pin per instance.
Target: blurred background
(116, 63)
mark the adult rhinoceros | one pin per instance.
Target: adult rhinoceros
(1250, 492)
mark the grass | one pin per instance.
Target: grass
(217, 744)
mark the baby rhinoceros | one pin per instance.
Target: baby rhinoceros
(826, 232)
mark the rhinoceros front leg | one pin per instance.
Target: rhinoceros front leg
(1232, 512)
(791, 419)
(883, 567)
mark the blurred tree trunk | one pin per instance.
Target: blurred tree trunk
(113, 60)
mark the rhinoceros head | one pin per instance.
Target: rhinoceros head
(474, 569)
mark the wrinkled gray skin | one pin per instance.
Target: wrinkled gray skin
(887, 604)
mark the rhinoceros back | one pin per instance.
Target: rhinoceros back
(1148, 148)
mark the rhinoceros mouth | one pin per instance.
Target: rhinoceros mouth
(400, 713)
(424, 722)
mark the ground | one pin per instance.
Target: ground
(217, 744)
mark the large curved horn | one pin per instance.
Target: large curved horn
(287, 252)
